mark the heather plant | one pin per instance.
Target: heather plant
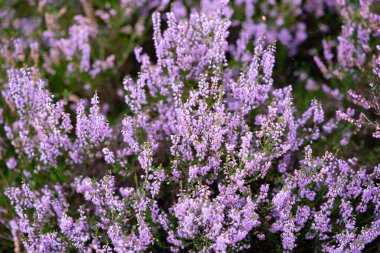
(182, 126)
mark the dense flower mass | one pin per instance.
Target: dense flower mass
(190, 126)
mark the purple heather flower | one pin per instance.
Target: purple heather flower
(11, 163)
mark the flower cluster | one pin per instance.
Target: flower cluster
(211, 145)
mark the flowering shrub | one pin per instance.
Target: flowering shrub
(190, 126)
